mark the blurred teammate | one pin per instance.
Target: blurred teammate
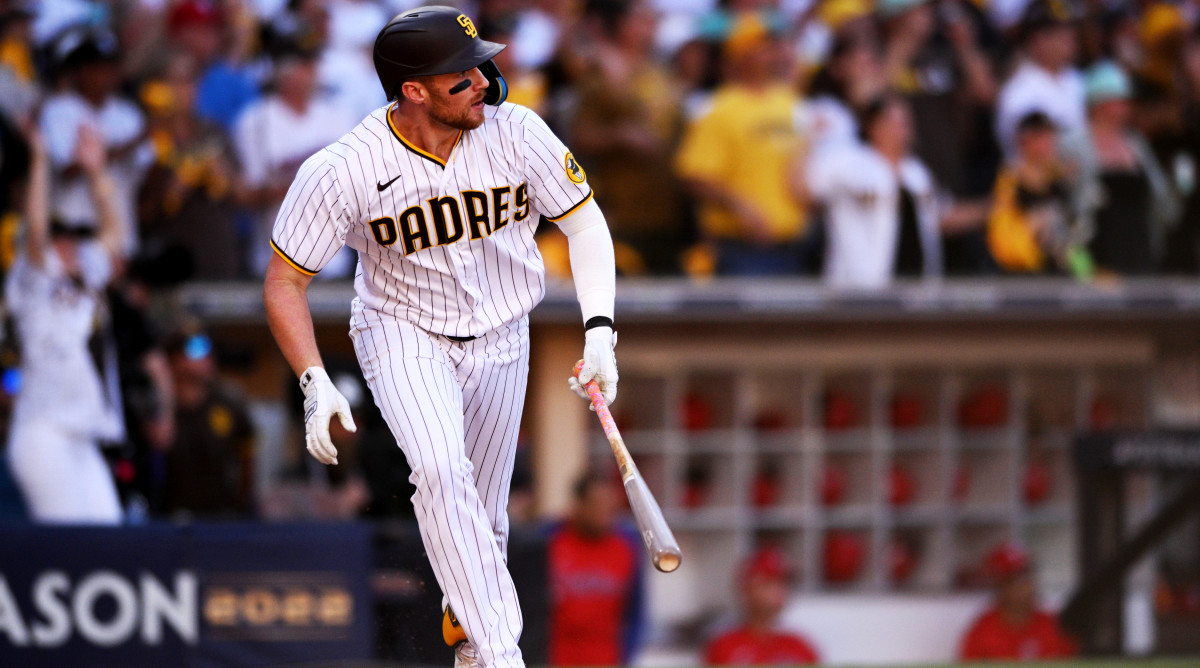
(1013, 628)
(757, 641)
(595, 582)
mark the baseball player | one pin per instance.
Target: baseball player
(440, 192)
(64, 409)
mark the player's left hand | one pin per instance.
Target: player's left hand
(599, 364)
(321, 402)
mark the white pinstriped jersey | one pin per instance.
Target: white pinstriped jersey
(448, 248)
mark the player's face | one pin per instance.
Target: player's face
(1018, 593)
(597, 510)
(462, 110)
(765, 596)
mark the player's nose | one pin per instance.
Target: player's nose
(478, 80)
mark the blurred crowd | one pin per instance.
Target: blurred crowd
(866, 141)
(856, 140)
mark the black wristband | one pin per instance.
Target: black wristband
(598, 321)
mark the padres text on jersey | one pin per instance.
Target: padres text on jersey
(447, 246)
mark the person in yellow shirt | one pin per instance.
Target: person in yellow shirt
(1032, 226)
(742, 159)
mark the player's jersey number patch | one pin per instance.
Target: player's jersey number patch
(574, 171)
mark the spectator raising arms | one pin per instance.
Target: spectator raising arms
(63, 411)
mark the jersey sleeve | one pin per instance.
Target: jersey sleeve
(96, 265)
(313, 219)
(557, 184)
(974, 646)
(823, 172)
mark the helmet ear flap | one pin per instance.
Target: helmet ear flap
(497, 90)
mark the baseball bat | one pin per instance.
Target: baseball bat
(660, 542)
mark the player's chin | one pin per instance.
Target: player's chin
(472, 119)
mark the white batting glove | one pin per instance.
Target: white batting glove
(599, 364)
(321, 402)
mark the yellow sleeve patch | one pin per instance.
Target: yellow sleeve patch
(574, 171)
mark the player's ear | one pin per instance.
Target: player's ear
(414, 90)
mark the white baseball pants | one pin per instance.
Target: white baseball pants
(455, 409)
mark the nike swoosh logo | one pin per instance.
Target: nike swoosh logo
(384, 186)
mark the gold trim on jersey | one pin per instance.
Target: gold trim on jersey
(573, 209)
(295, 265)
(412, 147)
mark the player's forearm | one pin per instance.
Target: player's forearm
(158, 370)
(715, 193)
(593, 262)
(37, 203)
(109, 231)
(285, 297)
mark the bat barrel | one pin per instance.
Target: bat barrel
(660, 542)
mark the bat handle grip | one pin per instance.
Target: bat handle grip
(608, 424)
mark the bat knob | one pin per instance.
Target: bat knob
(578, 368)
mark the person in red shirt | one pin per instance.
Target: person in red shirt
(1014, 629)
(765, 582)
(595, 581)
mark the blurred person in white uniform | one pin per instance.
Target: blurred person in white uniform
(277, 133)
(881, 205)
(87, 58)
(64, 410)
(1046, 79)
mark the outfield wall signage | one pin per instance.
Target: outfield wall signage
(220, 595)
(1173, 450)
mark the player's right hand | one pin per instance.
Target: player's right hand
(321, 402)
(599, 364)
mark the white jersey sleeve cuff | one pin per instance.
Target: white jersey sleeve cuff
(570, 219)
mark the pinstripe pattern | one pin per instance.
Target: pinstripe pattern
(464, 288)
(427, 271)
(455, 409)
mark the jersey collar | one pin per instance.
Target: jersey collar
(412, 147)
